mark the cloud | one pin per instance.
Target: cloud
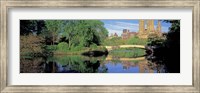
(127, 24)
(118, 26)
(123, 25)
(111, 31)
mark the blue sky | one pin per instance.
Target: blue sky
(116, 26)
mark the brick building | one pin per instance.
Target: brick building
(127, 34)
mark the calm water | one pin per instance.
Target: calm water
(84, 64)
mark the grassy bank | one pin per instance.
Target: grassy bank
(78, 51)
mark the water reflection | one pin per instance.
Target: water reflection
(84, 64)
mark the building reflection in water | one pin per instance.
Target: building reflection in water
(138, 65)
(143, 66)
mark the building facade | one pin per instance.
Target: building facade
(146, 28)
(126, 34)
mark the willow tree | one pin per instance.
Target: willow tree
(84, 32)
(94, 32)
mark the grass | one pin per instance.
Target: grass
(79, 51)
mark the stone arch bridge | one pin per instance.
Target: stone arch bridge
(109, 48)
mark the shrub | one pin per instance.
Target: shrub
(31, 44)
(155, 40)
(137, 41)
(63, 46)
(52, 47)
(77, 48)
(93, 46)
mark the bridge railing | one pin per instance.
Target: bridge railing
(124, 46)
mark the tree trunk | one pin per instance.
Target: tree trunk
(53, 39)
(69, 43)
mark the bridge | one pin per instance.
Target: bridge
(110, 58)
(109, 48)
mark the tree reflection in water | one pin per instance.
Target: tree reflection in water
(66, 64)
(35, 65)
(167, 59)
(83, 64)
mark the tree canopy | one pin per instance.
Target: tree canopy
(75, 33)
(84, 32)
(31, 26)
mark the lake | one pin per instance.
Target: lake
(85, 64)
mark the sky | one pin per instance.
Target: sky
(116, 26)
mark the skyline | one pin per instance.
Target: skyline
(117, 26)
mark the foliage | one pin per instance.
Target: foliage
(63, 46)
(31, 26)
(53, 27)
(74, 34)
(167, 51)
(114, 41)
(119, 41)
(51, 47)
(31, 44)
(77, 48)
(84, 32)
(175, 25)
(173, 36)
(155, 40)
(153, 37)
(93, 46)
(136, 41)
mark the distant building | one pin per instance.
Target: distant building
(131, 34)
(145, 32)
(126, 34)
(113, 35)
(146, 28)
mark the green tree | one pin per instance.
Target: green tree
(84, 32)
(31, 26)
(173, 36)
(53, 27)
(168, 50)
(70, 30)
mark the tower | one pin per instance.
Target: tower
(144, 33)
(158, 30)
(141, 26)
(159, 26)
(150, 26)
